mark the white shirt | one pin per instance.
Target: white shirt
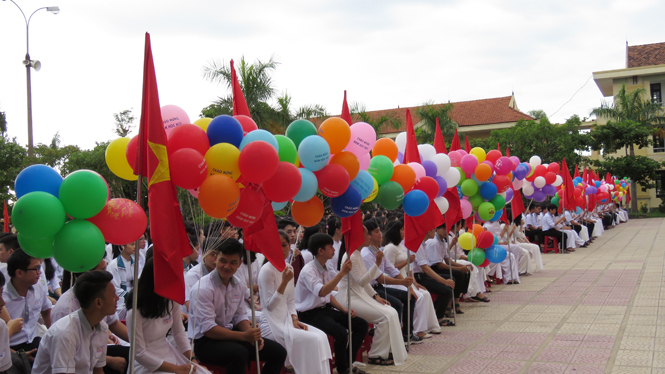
(68, 303)
(28, 308)
(435, 250)
(332, 263)
(217, 305)
(193, 275)
(5, 353)
(369, 257)
(307, 256)
(529, 221)
(312, 278)
(71, 345)
(494, 228)
(421, 259)
(548, 222)
(123, 276)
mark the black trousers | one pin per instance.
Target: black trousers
(397, 299)
(235, 355)
(590, 226)
(27, 346)
(443, 293)
(335, 323)
(561, 237)
(577, 228)
(607, 220)
(534, 235)
(117, 351)
(461, 280)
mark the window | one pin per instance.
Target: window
(660, 182)
(659, 142)
(656, 93)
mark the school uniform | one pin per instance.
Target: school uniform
(29, 308)
(5, 352)
(192, 276)
(437, 253)
(443, 293)
(549, 229)
(508, 270)
(123, 279)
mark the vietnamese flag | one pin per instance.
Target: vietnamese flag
(239, 103)
(167, 230)
(352, 227)
(517, 205)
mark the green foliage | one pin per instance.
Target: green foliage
(53, 155)
(644, 208)
(3, 124)
(632, 106)
(428, 113)
(639, 169)
(12, 156)
(124, 122)
(616, 135)
(386, 121)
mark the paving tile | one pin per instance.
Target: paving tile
(468, 365)
(640, 343)
(547, 368)
(633, 358)
(585, 369)
(592, 356)
(557, 354)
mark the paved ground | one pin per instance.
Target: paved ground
(592, 311)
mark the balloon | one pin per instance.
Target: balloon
(479, 153)
(188, 168)
(116, 160)
(503, 166)
(476, 256)
(539, 196)
(284, 184)
(455, 158)
(390, 195)
(508, 195)
(415, 203)
(429, 186)
(400, 141)
(498, 201)
(430, 168)
(37, 248)
(496, 254)
(452, 177)
(467, 241)
(520, 172)
(528, 189)
(363, 138)
(442, 162)
(405, 176)
(485, 239)
(219, 195)
(488, 191)
(83, 194)
(517, 184)
(347, 204)
(222, 158)
(121, 222)
(287, 150)
(385, 147)
(313, 152)
(203, 123)
(381, 169)
(539, 182)
(555, 201)
(442, 203)
(308, 186)
(308, 213)
(132, 149)
(427, 151)
(247, 123)
(558, 182)
(259, 135)
(515, 160)
(541, 171)
(249, 210)
(580, 201)
(469, 164)
(554, 168)
(336, 132)
(333, 180)
(375, 191)
(278, 206)
(465, 207)
(299, 130)
(486, 211)
(364, 183)
(469, 187)
(502, 183)
(443, 185)
(548, 190)
(476, 200)
(225, 129)
(348, 161)
(418, 169)
(476, 230)
(173, 117)
(188, 136)
(79, 246)
(483, 172)
(535, 161)
(38, 178)
(258, 161)
(493, 155)
(364, 161)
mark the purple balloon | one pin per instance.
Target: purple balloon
(549, 190)
(400, 157)
(539, 196)
(589, 190)
(509, 195)
(520, 172)
(430, 168)
(443, 185)
(528, 197)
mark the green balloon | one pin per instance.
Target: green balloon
(83, 193)
(38, 215)
(462, 176)
(381, 168)
(486, 211)
(476, 256)
(79, 246)
(390, 195)
(287, 149)
(555, 201)
(299, 130)
(469, 187)
(37, 248)
(475, 201)
(498, 201)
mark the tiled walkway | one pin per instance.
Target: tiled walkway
(592, 311)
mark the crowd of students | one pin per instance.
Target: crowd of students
(397, 296)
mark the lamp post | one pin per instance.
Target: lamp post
(31, 64)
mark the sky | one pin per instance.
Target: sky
(385, 53)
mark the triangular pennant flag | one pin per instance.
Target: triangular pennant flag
(346, 114)
(5, 216)
(439, 142)
(239, 103)
(455, 145)
(517, 205)
(608, 177)
(263, 237)
(504, 216)
(569, 193)
(584, 175)
(507, 152)
(498, 148)
(454, 213)
(577, 172)
(411, 152)
(352, 227)
(467, 146)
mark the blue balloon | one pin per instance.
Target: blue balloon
(430, 168)
(578, 210)
(364, 183)
(225, 129)
(443, 185)
(496, 254)
(346, 204)
(597, 184)
(496, 241)
(415, 203)
(497, 215)
(314, 152)
(488, 191)
(308, 187)
(259, 135)
(278, 206)
(459, 191)
(37, 178)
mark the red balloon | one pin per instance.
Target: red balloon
(484, 264)
(247, 123)
(284, 184)
(580, 201)
(550, 177)
(132, 149)
(258, 161)
(249, 210)
(188, 136)
(428, 185)
(485, 240)
(540, 171)
(502, 183)
(493, 155)
(333, 180)
(554, 168)
(121, 221)
(188, 168)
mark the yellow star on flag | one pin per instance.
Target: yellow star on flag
(161, 173)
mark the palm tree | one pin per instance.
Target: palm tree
(428, 114)
(388, 120)
(284, 114)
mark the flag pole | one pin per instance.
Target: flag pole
(251, 302)
(408, 302)
(348, 304)
(132, 338)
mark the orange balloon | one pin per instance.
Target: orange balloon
(348, 161)
(308, 213)
(477, 229)
(336, 132)
(219, 196)
(405, 176)
(483, 172)
(385, 147)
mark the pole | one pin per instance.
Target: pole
(132, 338)
(28, 65)
(408, 302)
(563, 209)
(348, 307)
(251, 298)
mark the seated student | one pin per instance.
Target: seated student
(6, 331)
(535, 263)
(122, 269)
(202, 269)
(26, 298)
(220, 328)
(477, 277)
(533, 230)
(572, 220)
(317, 307)
(77, 343)
(334, 229)
(243, 275)
(308, 348)
(302, 246)
(440, 262)
(549, 229)
(8, 244)
(562, 226)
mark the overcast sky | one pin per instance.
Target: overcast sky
(385, 53)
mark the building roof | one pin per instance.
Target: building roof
(645, 55)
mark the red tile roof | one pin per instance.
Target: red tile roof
(646, 55)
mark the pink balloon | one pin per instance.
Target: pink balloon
(466, 207)
(364, 161)
(469, 163)
(455, 158)
(194, 192)
(503, 166)
(515, 160)
(362, 140)
(490, 164)
(419, 169)
(173, 117)
(462, 152)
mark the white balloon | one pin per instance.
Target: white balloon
(442, 204)
(611, 186)
(396, 163)
(517, 184)
(539, 182)
(401, 142)
(527, 188)
(442, 162)
(534, 160)
(558, 181)
(452, 177)
(427, 151)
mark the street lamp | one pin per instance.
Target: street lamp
(31, 64)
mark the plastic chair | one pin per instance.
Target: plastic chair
(551, 244)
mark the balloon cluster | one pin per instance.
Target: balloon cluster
(482, 246)
(70, 219)
(542, 180)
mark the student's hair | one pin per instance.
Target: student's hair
(309, 232)
(551, 206)
(68, 275)
(211, 244)
(49, 269)
(115, 251)
(230, 247)
(214, 229)
(190, 228)
(392, 233)
(149, 253)
(517, 220)
(252, 257)
(319, 241)
(193, 240)
(286, 222)
(148, 302)
(332, 225)
(91, 285)
(10, 241)
(371, 224)
(284, 235)
(2, 280)
(18, 260)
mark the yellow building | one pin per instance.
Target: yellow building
(645, 68)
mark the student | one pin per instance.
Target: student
(440, 262)
(77, 343)
(533, 231)
(317, 307)
(206, 265)
(8, 244)
(535, 263)
(122, 269)
(222, 334)
(243, 275)
(6, 331)
(334, 229)
(549, 228)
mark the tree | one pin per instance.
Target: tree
(3, 124)
(53, 155)
(387, 120)
(640, 169)
(124, 122)
(428, 114)
(12, 156)
(538, 114)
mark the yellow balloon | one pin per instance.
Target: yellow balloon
(222, 158)
(479, 153)
(297, 163)
(116, 159)
(203, 123)
(467, 241)
(375, 191)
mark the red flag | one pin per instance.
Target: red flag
(628, 194)
(346, 114)
(263, 237)
(591, 205)
(5, 216)
(584, 175)
(498, 148)
(166, 227)
(239, 103)
(467, 146)
(577, 172)
(608, 177)
(439, 143)
(454, 213)
(569, 193)
(352, 229)
(507, 152)
(411, 152)
(455, 145)
(504, 216)
(517, 205)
